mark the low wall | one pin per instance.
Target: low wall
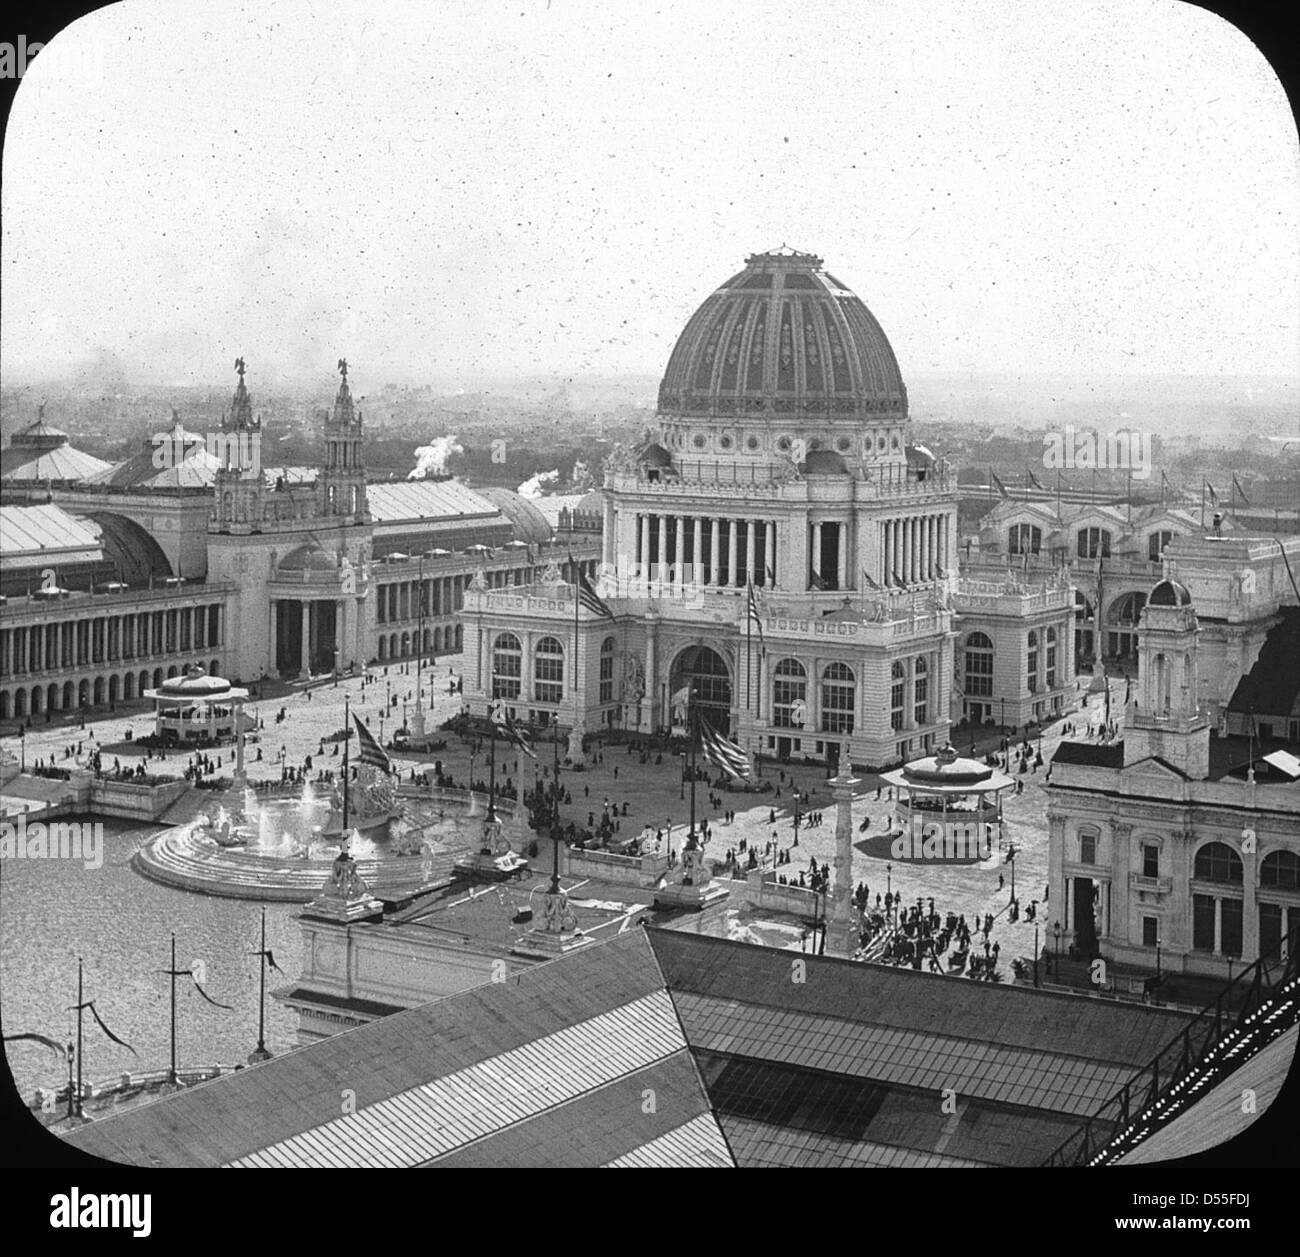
(643, 870)
(764, 891)
(133, 802)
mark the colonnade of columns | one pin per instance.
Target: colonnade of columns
(96, 639)
(706, 550)
(915, 548)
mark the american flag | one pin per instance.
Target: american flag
(505, 722)
(723, 752)
(754, 614)
(368, 750)
(587, 596)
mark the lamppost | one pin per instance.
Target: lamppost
(889, 888)
(1011, 860)
(681, 785)
(22, 748)
(1035, 953)
(1056, 959)
(1159, 943)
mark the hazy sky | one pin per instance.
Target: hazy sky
(435, 190)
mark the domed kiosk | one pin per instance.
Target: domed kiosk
(947, 807)
(196, 709)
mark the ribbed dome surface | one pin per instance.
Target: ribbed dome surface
(1169, 593)
(783, 338)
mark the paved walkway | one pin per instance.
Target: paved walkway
(653, 791)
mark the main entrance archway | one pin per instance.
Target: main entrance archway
(706, 672)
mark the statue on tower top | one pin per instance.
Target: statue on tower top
(239, 366)
(343, 367)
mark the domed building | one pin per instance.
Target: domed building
(781, 464)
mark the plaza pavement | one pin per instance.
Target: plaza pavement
(653, 792)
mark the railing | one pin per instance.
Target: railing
(1190, 1060)
(1152, 885)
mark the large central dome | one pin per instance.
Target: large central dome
(783, 338)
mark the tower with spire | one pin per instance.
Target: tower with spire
(342, 480)
(238, 481)
(1164, 720)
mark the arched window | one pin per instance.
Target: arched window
(607, 648)
(1031, 666)
(1051, 659)
(979, 666)
(838, 694)
(921, 690)
(1157, 542)
(1217, 862)
(1094, 543)
(1280, 869)
(548, 671)
(897, 694)
(1127, 611)
(789, 686)
(507, 666)
(1024, 539)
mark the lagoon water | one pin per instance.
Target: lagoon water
(52, 911)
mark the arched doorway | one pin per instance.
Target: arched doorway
(707, 674)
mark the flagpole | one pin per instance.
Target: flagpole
(1202, 503)
(172, 976)
(749, 647)
(261, 994)
(691, 732)
(347, 747)
(81, 1001)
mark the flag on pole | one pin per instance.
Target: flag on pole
(754, 615)
(587, 596)
(1236, 484)
(369, 751)
(679, 701)
(1214, 497)
(723, 752)
(1033, 480)
(816, 580)
(516, 735)
(941, 571)
(870, 583)
(1001, 488)
(898, 580)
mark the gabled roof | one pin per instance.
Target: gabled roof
(553, 1058)
(46, 533)
(1272, 686)
(1091, 754)
(423, 500)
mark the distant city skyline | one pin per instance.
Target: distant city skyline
(476, 191)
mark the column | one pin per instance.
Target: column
(1249, 907)
(731, 552)
(1218, 925)
(749, 550)
(715, 543)
(769, 551)
(680, 548)
(815, 559)
(306, 637)
(929, 547)
(843, 567)
(343, 655)
(697, 560)
(663, 558)
(273, 654)
(643, 549)
(896, 555)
